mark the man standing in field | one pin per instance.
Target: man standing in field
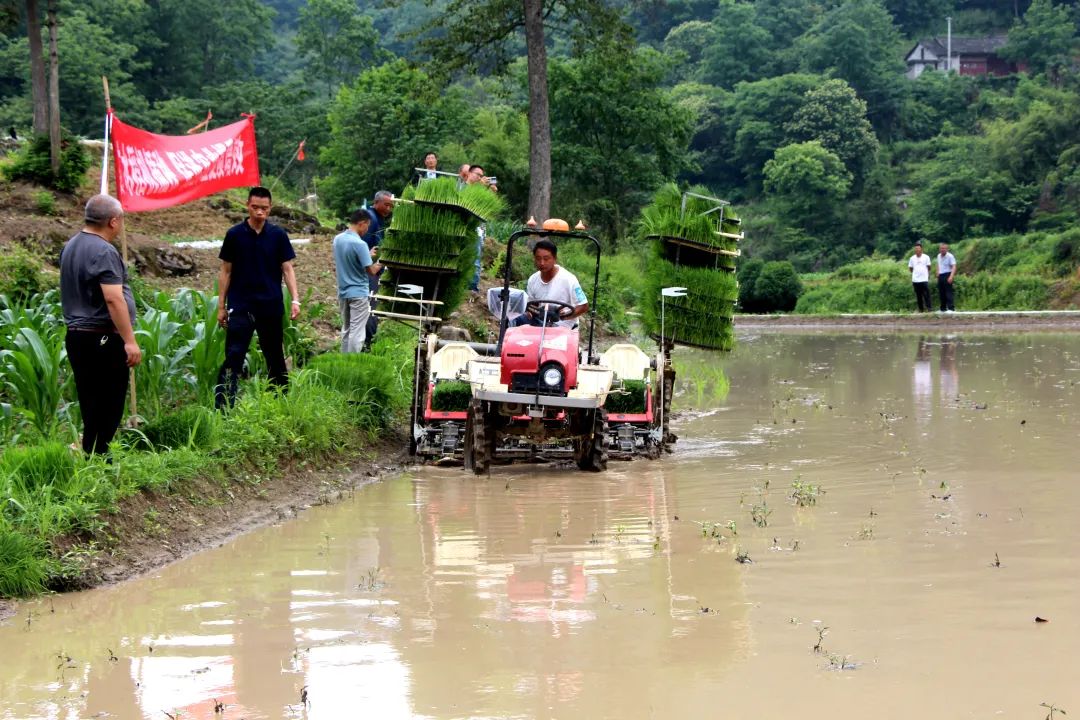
(255, 256)
(919, 264)
(354, 266)
(99, 311)
(946, 271)
(379, 216)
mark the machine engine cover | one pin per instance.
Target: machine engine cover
(522, 354)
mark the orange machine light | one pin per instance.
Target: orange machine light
(556, 225)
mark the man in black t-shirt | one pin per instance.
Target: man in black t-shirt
(255, 256)
(99, 311)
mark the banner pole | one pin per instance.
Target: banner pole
(288, 164)
(105, 151)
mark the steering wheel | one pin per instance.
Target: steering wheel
(557, 303)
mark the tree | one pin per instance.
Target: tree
(786, 21)
(380, 125)
(620, 135)
(486, 33)
(201, 43)
(808, 183)
(337, 41)
(915, 16)
(740, 49)
(54, 90)
(1045, 38)
(833, 114)
(756, 118)
(39, 89)
(857, 41)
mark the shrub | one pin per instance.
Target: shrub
(45, 202)
(20, 275)
(191, 425)
(32, 164)
(777, 288)
(748, 275)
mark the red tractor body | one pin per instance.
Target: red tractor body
(533, 356)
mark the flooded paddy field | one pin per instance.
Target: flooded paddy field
(867, 525)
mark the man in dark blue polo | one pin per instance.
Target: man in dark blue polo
(255, 256)
(379, 212)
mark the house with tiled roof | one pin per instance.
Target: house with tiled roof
(970, 56)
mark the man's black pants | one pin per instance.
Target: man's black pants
(99, 363)
(242, 325)
(945, 292)
(922, 295)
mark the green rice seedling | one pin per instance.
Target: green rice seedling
(34, 372)
(630, 399)
(703, 316)
(366, 380)
(36, 466)
(190, 426)
(760, 512)
(477, 199)
(23, 563)
(451, 396)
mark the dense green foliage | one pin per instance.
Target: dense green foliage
(796, 110)
(32, 164)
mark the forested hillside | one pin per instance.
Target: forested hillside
(798, 110)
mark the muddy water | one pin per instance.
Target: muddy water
(945, 525)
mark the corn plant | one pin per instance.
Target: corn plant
(165, 370)
(206, 340)
(33, 371)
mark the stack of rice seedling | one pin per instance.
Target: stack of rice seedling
(431, 240)
(695, 246)
(451, 396)
(630, 400)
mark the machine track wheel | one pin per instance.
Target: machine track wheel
(479, 439)
(667, 438)
(593, 455)
(420, 377)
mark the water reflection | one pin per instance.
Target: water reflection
(540, 592)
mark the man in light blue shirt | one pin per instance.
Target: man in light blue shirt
(946, 271)
(354, 267)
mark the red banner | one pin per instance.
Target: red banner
(159, 171)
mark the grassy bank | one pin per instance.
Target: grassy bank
(56, 504)
(1035, 271)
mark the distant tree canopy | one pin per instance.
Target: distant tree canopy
(797, 110)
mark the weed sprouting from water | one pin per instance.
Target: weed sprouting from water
(371, 581)
(760, 513)
(805, 493)
(1053, 709)
(821, 633)
(997, 561)
(742, 557)
(841, 662)
(866, 533)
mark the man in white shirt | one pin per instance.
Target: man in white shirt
(919, 264)
(946, 271)
(553, 282)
